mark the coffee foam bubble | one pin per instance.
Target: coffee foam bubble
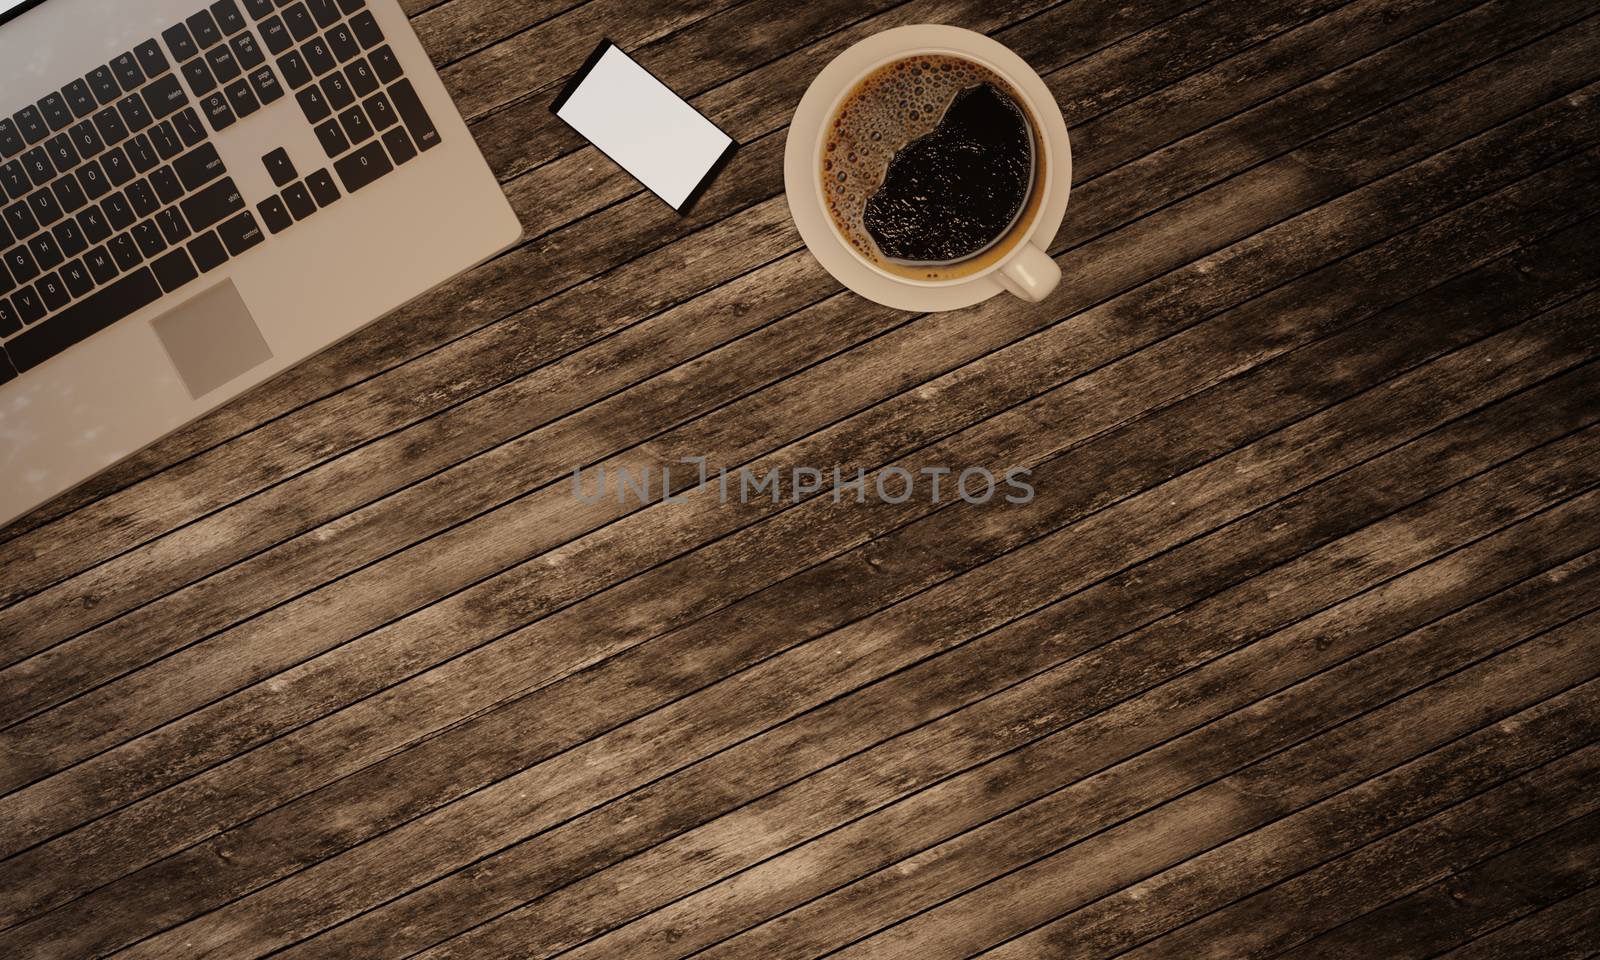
(892, 106)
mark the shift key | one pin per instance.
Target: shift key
(212, 204)
(410, 109)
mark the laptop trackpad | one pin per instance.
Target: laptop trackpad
(211, 339)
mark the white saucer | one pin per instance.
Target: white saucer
(799, 161)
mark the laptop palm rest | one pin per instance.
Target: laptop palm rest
(211, 339)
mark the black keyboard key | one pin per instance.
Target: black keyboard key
(279, 167)
(30, 122)
(84, 319)
(115, 163)
(134, 113)
(240, 233)
(215, 107)
(299, 200)
(45, 251)
(70, 238)
(204, 209)
(362, 80)
(325, 12)
(142, 197)
(318, 57)
(223, 66)
(119, 213)
(323, 188)
(343, 44)
(56, 112)
(363, 167)
(126, 69)
(258, 8)
(337, 91)
(207, 251)
(14, 180)
(166, 185)
(356, 125)
(108, 123)
(229, 20)
(275, 35)
(298, 19)
(52, 291)
(37, 163)
(198, 73)
(172, 225)
(180, 42)
(275, 214)
(76, 276)
(10, 322)
(30, 309)
(20, 262)
(187, 123)
(148, 236)
(204, 29)
(385, 65)
(164, 96)
(242, 98)
(80, 99)
(366, 29)
(42, 204)
(61, 152)
(19, 220)
(313, 105)
(381, 112)
(11, 142)
(151, 59)
(104, 84)
(247, 51)
(101, 266)
(333, 139)
(125, 251)
(141, 154)
(69, 194)
(94, 225)
(351, 6)
(198, 167)
(86, 139)
(174, 270)
(165, 139)
(295, 71)
(265, 83)
(93, 180)
(6, 283)
(423, 133)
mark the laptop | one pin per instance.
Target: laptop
(196, 195)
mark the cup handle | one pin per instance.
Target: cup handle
(1031, 274)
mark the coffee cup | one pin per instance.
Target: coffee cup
(828, 210)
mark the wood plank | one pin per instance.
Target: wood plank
(104, 844)
(1439, 784)
(453, 30)
(67, 796)
(503, 810)
(1086, 23)
(1559, 932)
(835, 799)
(1473, 898)
(80, 784)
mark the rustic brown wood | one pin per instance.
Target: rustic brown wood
(1293, 654)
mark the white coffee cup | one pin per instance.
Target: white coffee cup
(1026, 270)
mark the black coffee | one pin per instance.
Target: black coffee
(930, 166)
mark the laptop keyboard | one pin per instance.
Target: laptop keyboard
(112, 196)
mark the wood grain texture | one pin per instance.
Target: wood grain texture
(1293, 654)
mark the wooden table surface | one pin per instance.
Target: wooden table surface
(1294, 653)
